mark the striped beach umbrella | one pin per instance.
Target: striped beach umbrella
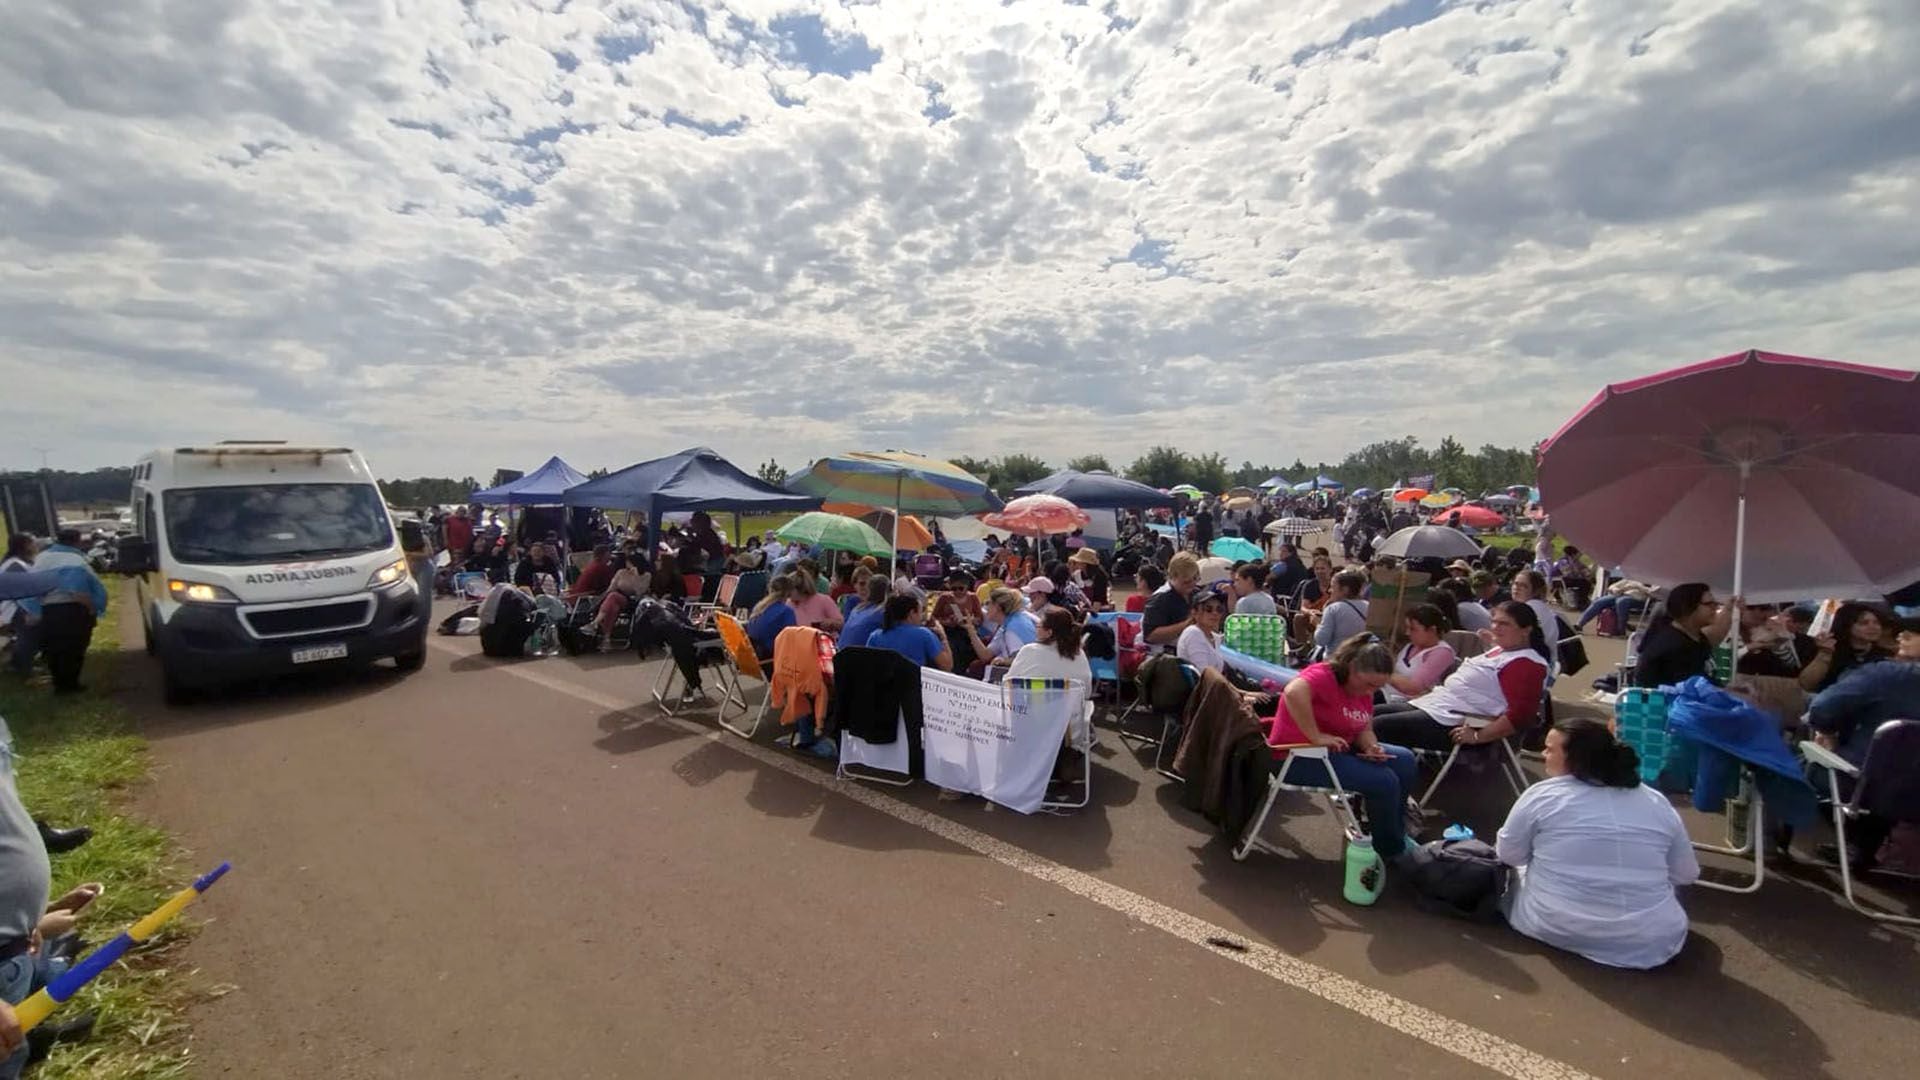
(897, 479)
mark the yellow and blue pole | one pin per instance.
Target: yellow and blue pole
(42, 1003)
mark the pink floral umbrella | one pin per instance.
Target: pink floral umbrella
(1661, 475)
(1037, 515)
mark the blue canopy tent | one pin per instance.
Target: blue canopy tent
(544, 486)
(1098, 491)
(693, 479)
(1321, 482)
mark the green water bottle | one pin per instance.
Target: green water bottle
(1366, 875)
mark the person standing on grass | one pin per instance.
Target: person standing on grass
(68, 613)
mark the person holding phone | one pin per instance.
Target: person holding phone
(1330, 705)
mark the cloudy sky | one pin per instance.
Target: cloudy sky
(462, 235)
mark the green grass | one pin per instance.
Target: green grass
(1505, 541)
(77, 759)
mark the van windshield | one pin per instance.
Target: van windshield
(275, 522)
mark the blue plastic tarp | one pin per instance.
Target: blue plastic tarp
(1719, 733)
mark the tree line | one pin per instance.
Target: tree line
(1376, 465)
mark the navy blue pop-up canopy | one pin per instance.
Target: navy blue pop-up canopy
(1097, 491)
(544, 486)
(693, 479)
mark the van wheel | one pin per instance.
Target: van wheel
(412, 661)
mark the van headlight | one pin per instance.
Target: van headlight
(393, 573)
(198, 592)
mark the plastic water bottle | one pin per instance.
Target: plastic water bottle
(1457, 832)
(1366, 874)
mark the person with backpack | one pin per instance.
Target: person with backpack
(1597, 854)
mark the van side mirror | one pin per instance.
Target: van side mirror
(413, 537)
(134, 555)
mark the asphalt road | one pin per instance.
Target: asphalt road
(520, 869)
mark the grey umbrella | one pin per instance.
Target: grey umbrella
(1429, 542)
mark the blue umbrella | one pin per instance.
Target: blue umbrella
(1237, 548)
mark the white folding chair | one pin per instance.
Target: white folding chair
(1079, 730)
(1339, 801)
(1889, 763)
(1505, 756)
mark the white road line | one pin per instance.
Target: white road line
(1468, 1042)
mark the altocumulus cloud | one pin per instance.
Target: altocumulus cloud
(470, 234)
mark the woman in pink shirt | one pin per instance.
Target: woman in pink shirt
(1425, 659)
(811, 608)
(1330, 704)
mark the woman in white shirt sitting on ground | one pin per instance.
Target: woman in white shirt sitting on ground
(1597, 854)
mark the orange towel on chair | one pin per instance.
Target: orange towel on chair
(798, 675)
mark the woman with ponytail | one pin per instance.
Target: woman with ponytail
(1597, 854)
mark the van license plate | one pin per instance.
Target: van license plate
(335, 651)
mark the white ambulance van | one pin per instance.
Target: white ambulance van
(259, 559)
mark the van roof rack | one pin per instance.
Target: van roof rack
(255, 450)
(252, 442)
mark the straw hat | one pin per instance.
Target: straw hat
(1085, 557)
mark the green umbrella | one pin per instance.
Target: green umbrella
(836, 532)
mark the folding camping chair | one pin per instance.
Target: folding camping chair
(1339, 801)
(929, 572)
(1505, 756)
(733, 636)
(1107, 671)
(710, 652)
(1167, 743)
(1260, 636)
(1885, 784)
(1640, 721)
(701, 612)
(1079, 729)
(748, 590)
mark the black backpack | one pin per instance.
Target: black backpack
(1462, 878)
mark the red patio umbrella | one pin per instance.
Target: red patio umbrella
(1478, 517)
(1660, 476)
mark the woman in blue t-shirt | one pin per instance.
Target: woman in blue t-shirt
(903, 634)
(773, 615)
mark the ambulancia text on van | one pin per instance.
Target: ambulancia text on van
(258, 559)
